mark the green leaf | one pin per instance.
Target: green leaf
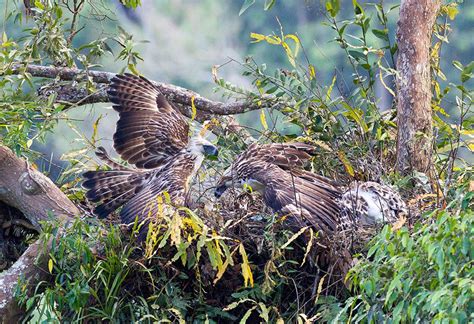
(347, 164)
(269, 4)
(333, 7)
(193, 108)
(452, 11)
(357, 8)
(39, 4)
(356, 54)
(263, 120)
(247, 4)
(131, 3)
(466, 73)
(247, 315)
(381, 33)
(50, 265)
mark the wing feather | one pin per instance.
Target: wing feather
(284, 193)
(149, 129)
(170, 178)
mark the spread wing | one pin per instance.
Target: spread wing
(170, 180)
(312, 201)
(149, 129)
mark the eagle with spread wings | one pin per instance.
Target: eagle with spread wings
(153, 137)
(276, 172)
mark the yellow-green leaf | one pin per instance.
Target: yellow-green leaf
(452, 11)
(133, 69)
(95, 129)
(246, 271)
(237, 303)
(222, 269)
(346, 163)
(39, 4)
(289, 54)
(294, 237)
(308, 246)
(312, 72)
(328, 93)
(297, 43)
(274, 40)
(263, 119)
(320, 289)
(50, 265)
(193, 108)
(385, 85)
(257, 37)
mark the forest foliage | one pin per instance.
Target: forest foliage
(208, 266)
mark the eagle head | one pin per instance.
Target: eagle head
(222, 185)
(230, 179)
(199, 146)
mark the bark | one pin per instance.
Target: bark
(38, 199)
(30, 191)
(415, 133)
(31, 266)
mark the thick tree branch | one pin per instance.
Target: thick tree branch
(30, 191)
(180, 96)
(72, 94)
(32, 267)
(37, 198)
(415, 26)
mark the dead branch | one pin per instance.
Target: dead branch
(38, 199)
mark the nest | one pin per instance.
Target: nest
(15, 235)
(315, 257)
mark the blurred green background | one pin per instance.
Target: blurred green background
(186, 38)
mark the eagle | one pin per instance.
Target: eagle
(276, 172)
(153, 137)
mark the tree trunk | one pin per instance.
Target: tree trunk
(415, 133)
(36, 196)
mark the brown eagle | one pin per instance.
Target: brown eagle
(276, 172)
(154, 137)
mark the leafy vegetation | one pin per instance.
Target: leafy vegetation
(237, 261)
(425, 272)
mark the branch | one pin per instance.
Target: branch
(32, 266)
(31, 192)
(180, 96)
(37, 198)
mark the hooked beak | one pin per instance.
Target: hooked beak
(210, 150)
(219, 191)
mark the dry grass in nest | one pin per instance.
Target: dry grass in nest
(313, 257)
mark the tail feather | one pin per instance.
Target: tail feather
(112, 189)
(101, 153)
